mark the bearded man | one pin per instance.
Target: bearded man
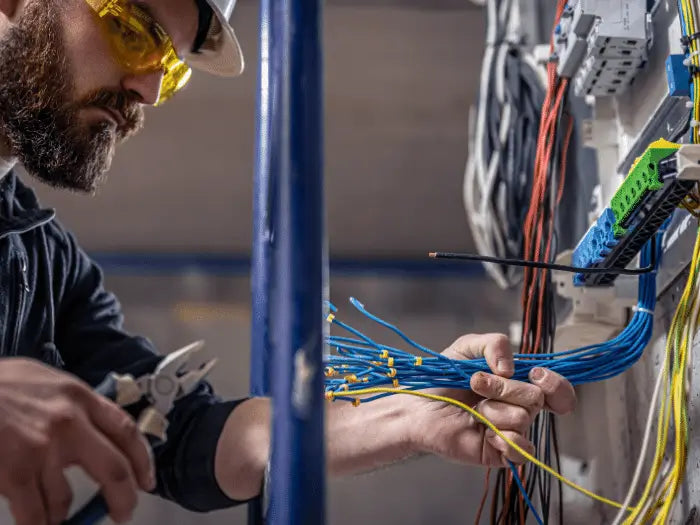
(76, 75)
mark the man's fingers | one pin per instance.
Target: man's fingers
(559, 394)
(118, 426)
(495, 348)
(505, 416)
(506, 450)
(528, 396)
(26, 503)
(57, 494)
(108, 466)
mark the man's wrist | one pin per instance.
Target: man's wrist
(369, 436)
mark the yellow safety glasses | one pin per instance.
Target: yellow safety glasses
(140, 44)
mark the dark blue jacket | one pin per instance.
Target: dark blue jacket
(53, 308)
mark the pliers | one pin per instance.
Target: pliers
(171, 380)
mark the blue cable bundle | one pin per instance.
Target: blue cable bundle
(361, 362)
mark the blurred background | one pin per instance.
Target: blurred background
(172, 226)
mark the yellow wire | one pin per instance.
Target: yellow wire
(491, 426)
(673, 404)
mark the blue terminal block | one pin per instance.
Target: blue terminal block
(595, 245)
(678, 76)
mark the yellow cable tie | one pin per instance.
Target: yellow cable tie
(384, 354)
(330, 395)
(344, 387)
(356, 402)
(365, 379)
(395, 383)
(330, 318)
(419, 361)
(351, 378)
(330, 371)
(392, 372)
(378, 363)
(390, 361)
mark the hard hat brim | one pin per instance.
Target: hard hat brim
(227, 59)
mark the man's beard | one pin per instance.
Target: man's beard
(38, 117)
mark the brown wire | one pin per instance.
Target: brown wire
(483, 497)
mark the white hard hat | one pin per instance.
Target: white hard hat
(220, 53)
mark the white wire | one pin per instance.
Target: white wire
(476, 169)
(643, 451)
(480, 174)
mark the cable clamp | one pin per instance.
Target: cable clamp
(643, 310)
(686, 40)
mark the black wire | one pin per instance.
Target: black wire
(557, 458)
(536, 264)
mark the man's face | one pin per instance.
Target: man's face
(64, 101)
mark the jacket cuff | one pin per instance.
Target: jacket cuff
(196, 487)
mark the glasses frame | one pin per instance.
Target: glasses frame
(164, 57)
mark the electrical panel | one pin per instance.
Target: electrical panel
(602, 44)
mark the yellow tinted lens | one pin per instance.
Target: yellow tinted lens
(140, 45)
(177, 74)
(136, 50)
(173, 81)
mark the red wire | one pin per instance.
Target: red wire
(534, 224)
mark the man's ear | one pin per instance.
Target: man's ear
(11, 9)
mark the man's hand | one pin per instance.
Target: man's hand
(50, 421)
(511, 405)
(399, 426)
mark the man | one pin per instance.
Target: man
(76, 74)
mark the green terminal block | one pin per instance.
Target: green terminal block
(642, 178)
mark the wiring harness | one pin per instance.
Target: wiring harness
(363, 366)
(362, 362)
(503, 138)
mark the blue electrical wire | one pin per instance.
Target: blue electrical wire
(362, 362)
(519, 483)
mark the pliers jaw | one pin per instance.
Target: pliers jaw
(174, 377)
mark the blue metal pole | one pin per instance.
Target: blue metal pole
(264, 180)
(268, 89)
(297, 484)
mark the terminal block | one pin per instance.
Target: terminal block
(601, 44)
(653, 189)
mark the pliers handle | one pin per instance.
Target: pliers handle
(170, 381)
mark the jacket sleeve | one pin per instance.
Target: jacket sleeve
(92, 342)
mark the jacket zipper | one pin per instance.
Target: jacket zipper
(22, 289)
